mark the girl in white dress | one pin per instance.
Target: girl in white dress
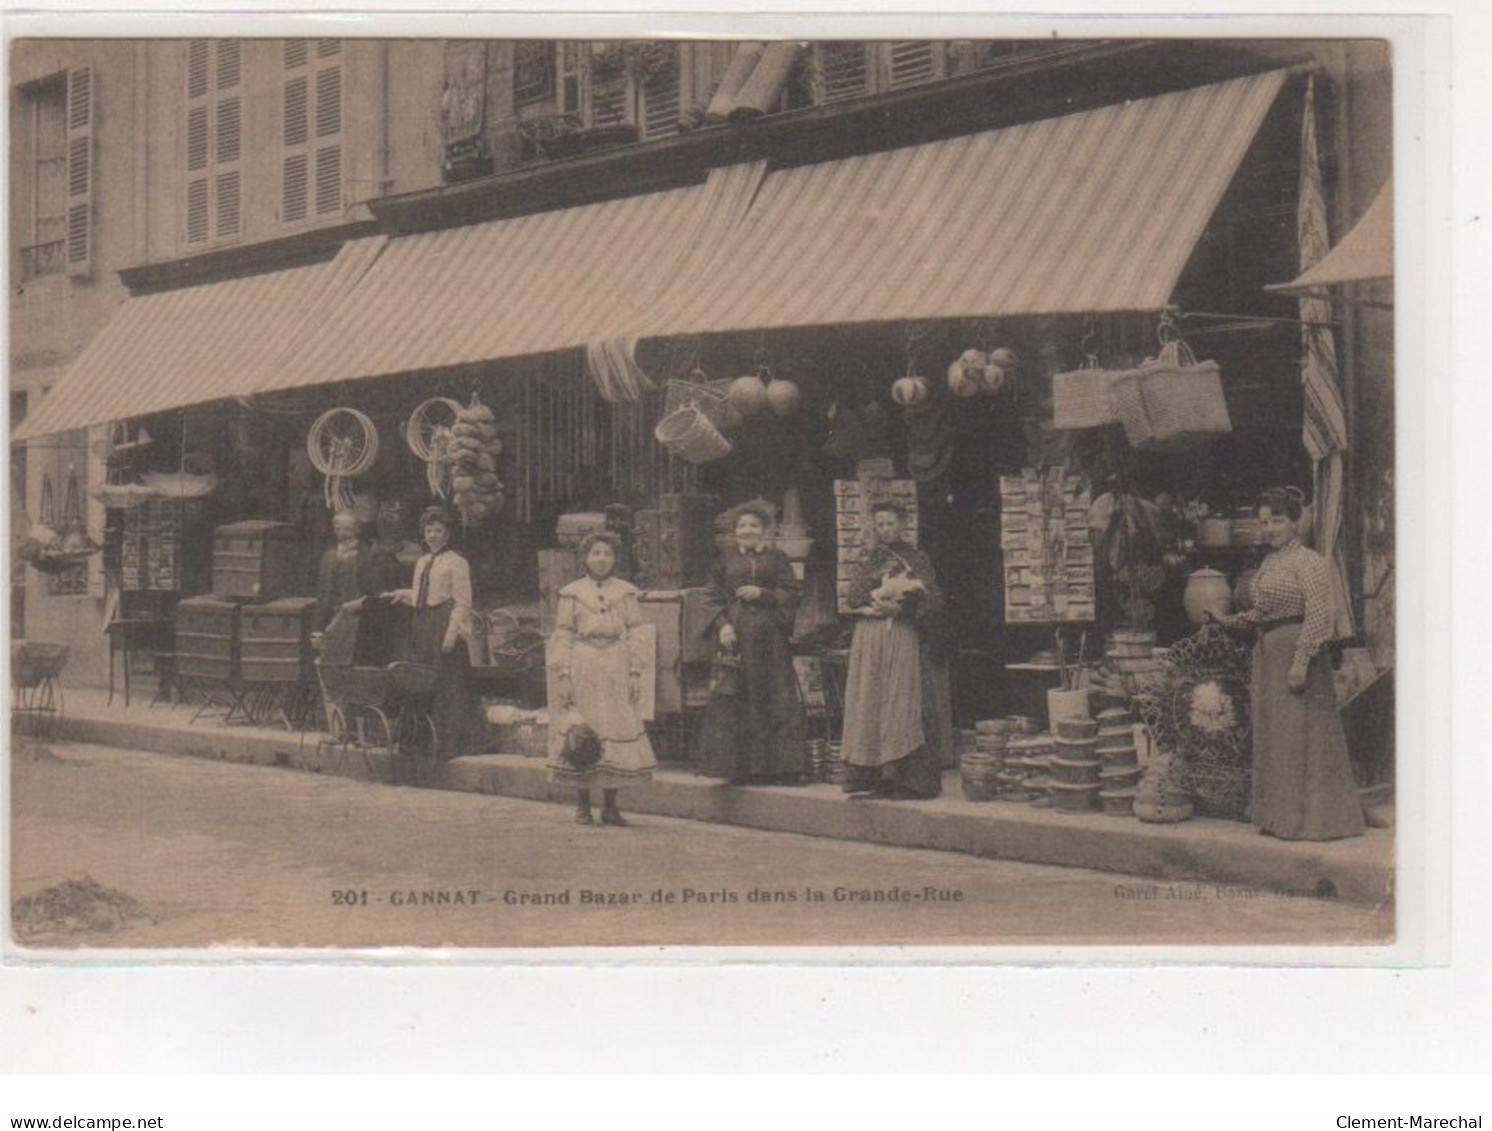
(598, 669)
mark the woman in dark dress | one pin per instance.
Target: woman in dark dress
(442, 636)
(753, 731)
(1303, 784)
(898, 719)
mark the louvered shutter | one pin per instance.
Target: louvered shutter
(328, 180)
(295, 198)
(844, 70)
(660, 105)
(910, 62)
(80, 101)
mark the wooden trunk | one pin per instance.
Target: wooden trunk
(275, 640)
(257, 559)
(207, 637)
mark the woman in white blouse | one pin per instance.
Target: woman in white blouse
(442, 637)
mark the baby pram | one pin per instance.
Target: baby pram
(377, 700)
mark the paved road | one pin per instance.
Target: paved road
(232, 854)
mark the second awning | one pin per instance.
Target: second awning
(1091, 212)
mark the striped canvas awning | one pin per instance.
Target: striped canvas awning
(521, 286)
(1364, 254)
(198, 344)
(1095, 211)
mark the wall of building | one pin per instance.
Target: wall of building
(52, 317)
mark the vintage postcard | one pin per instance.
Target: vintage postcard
(552, 493)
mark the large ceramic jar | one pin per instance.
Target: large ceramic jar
(1207, 591)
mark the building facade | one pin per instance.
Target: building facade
(146, 167)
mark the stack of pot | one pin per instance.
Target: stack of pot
(980, 769)
(1075, 766)
(1027, 762)
(1121, 761)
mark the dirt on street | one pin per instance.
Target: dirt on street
(218, 854)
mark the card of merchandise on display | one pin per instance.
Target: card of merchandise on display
(1047, 547)
(854, 527)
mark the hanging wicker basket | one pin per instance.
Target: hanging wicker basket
(1171, 402)
(688, 434)
(710, 397)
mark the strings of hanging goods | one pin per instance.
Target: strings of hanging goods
(342, 444)
(428, 434)
(474, 447)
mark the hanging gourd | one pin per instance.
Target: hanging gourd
(967, 373)
(784, 397)
(748, 395)
(910, 391)
(1002, 362)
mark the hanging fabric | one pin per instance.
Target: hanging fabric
(1324, 429)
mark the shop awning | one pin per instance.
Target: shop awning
(1095, 211)
(198, 344)
(1365, 253)
(526, 285)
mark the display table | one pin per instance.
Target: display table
(131, 636)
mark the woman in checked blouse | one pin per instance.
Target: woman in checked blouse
(1303, 786)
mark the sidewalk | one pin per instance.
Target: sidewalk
(1201, 850)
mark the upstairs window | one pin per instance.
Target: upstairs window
(56, 135)
(214, 140)
(637, 83)
(311, 130)
(845, 69)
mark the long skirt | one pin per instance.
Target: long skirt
(601, 680)
(455, 708)
(896, 697)
(1303, 786)
(757, 731)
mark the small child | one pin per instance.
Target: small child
(598, 669)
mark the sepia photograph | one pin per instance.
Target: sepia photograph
(497, 494)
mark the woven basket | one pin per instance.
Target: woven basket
(1171, 402)
(688, 433)
(1083, 398)
(709, 397)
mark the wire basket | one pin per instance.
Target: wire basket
(33, 663)
(688, 433)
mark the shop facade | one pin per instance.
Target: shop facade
(857, 260)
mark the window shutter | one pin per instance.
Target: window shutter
(229, 127)
(328, 180)
(844, 70)
(294, 205)
(329, 102)
(230, 63)
(325, 48)
(297, 51)
(196, 138)
(196, 224)
(297, 111)
(196, 68)
(228, 210)
(911, 62)
(660, 106)
(80, 99)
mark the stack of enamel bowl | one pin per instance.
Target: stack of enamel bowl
(1075, 766)
(1121, 761)
(982, 767)
(1026, 757)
